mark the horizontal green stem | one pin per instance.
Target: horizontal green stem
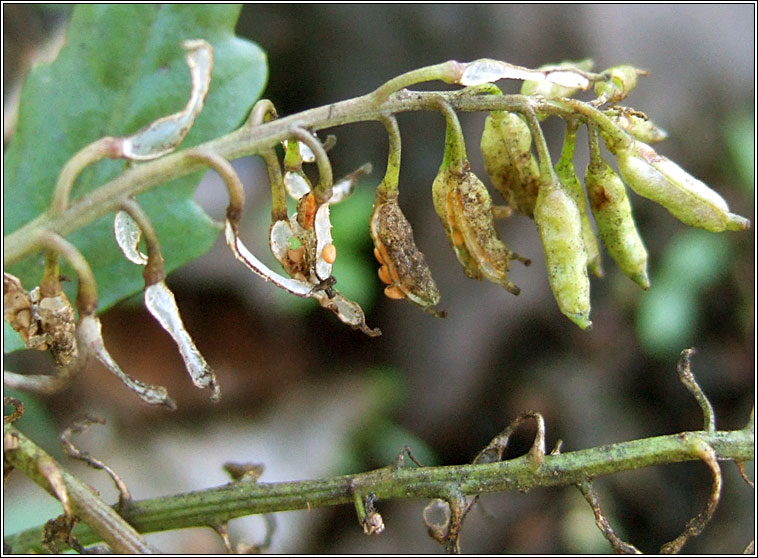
(217, 505)
(248, 140)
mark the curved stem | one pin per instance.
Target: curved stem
(86, 298)
(449, 72)
(455, 144)
(154, 271)
(217, 505)
(389, 185)
(323, 190)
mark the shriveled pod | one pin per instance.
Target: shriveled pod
(403, 266)
(465, 208)
(615, 224)
(659, 179)
(511, 165)
(560, 226)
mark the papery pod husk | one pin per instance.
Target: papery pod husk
(511, 165)
(465, 207)
(659, 179)
(615, 224)
(560, 226)
(405, 263)
(566, 172)
(551, 90)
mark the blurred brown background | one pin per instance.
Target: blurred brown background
(311, 398)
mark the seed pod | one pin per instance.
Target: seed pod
(637, 124)
(659, 179)
(622, 80)
(560, 226)
(403, 264)
(615, 224)
(506, 149)
(551, 90)
(566, 172)
(465, 208)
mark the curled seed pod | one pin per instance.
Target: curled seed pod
(465, 208)
(566, 172)
(615, 224)
(403, 266)
(622, 79)
(89, 333)
(551, 90)
(560, 226)
(511, 165)
(657, 178)
(636, 124)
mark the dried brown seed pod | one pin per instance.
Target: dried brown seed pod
(404, 267)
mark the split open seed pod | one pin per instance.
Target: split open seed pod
(403, 266)
(465, 209)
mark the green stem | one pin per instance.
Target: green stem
(248, 140)
(449, 72)
(455, 144)
(218, 505)
(100, 520)
(388, 188)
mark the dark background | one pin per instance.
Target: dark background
(311, 398)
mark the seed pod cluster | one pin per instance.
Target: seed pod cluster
(403, 266)
(465, 208)
(506, 148)
(560, 226)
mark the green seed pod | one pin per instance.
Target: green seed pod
(637, 124)
(506, 149)
(404, 268)
(659, 179)
(551, 90)
(560, 226)
(566, 172)
(465, 208)
(615, 224)
(622, 80)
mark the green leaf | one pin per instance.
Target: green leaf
(121, 68)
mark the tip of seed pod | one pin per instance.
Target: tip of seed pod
(582, 319)
(642, 280)
(737, 223)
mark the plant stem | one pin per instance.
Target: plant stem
(248, 140)
(103, 523)
(217, 505)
